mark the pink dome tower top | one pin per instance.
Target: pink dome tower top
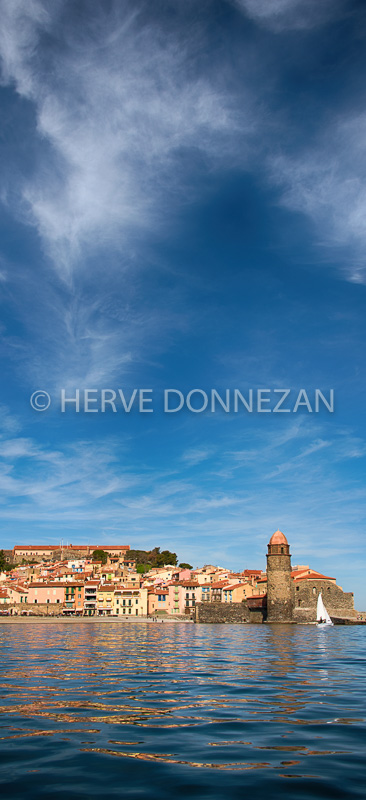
(278, 538)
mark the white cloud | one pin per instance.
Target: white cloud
(196, 455)
(327, 183)
(116, 102)
(9, 423)
(282, 15)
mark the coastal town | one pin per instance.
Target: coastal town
(106, 581)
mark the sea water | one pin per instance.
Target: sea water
(162, 711)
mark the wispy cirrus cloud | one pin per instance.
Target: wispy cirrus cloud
(196, 455)
(119, 109)
(123, 113)
(117, 101)
(280, 15)
(327, 183)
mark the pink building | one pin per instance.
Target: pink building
(158, 601)
(177, 600)
(185, 575)
(46, 593)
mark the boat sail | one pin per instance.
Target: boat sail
(322, 616)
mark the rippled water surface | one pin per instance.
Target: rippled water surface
(180, 710)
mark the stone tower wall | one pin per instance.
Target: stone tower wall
(279, 587)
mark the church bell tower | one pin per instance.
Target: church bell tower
(279, 585)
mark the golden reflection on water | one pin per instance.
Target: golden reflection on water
(165, 758)
(259, 679)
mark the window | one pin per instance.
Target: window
(314, 589)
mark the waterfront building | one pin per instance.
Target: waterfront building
(41, 593)
(191, 595)
(234, 593)
(216, 591)
(90, 598)
(130, 602)
(158, 600)
(306, 587)
(105, 599)
(74, 598)
(175, 598)
(17, 593)
(4, 597)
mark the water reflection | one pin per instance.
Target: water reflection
(201, 697)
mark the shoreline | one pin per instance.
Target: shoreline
(19, 620)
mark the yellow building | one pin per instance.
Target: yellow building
(130, 602)
(105, 600)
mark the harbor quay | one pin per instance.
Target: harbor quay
(105, 583)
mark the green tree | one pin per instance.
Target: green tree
(166, 557)
(2, 561)
(183, 565)
(100, 555)
(152, 558)
(142, 568)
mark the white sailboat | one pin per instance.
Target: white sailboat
(322, 616)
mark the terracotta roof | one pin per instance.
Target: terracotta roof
(257, 597)
(18, 588)
(278, 538)
(219, 584)
(54, 585)
(189, 583)
(234, 586)
(296, 572)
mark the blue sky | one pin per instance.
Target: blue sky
(183, 206)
